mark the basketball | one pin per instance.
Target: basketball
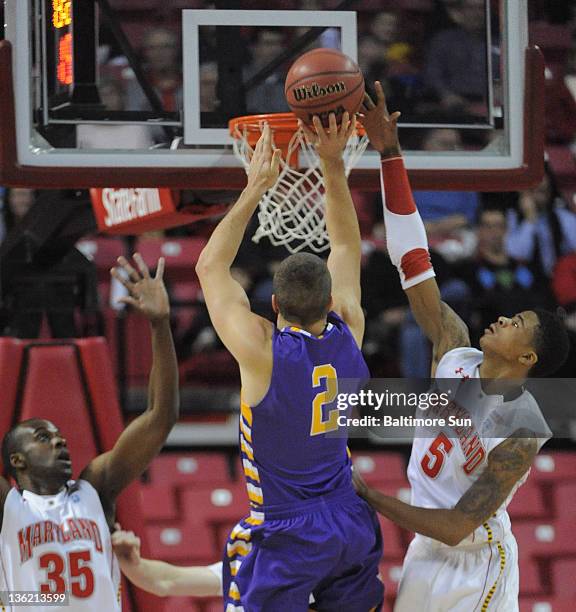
(324, 81)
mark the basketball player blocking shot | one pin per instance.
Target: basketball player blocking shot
(305, 532)
(464, 557)
(55, 531)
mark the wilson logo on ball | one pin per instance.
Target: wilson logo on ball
(315, 91)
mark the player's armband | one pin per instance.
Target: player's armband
(405, 233)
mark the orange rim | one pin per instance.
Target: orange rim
(284, 126)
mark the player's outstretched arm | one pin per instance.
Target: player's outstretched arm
(507, 464)
(243, 333)
(163, 579)
(406, 236)
(143, 439)
(344, 260)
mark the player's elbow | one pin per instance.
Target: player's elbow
(203, 265)
(456, 529)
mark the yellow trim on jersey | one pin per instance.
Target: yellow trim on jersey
(251, 470)
(234, 592)
(246, 448)
(502, 557)
(245, 429)
(240, 533)
(238, 547)
(255, 493)
(246, 412)
(255, 520)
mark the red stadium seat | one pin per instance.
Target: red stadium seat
(176, 542)
(530, 577)
(545, 539)
(546, 604)
(183, 470)
(528, 502)
(380, 467)
(158, 503)
(564, 578)
(10, 363)
(219, 505)
(181, 255)
(554, 467)
(48, 365)
(565, 497)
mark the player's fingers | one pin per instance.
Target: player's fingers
(276, 160)
(333, 125)
(319, 127)
(117, 526)
(345, 125)
(132, 274)
(380, 96)
(127, 299)
(141, 265)
(121, 278)
(160, 269)
(395, 116)
(267, 137)
(351, 127)
(308, 133)
(368, 103)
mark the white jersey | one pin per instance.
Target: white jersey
(444, 463)
(56, 543)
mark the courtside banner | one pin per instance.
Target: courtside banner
(137, 210)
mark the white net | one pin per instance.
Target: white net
(291, 214)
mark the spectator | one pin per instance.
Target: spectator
(267, 96)
(543, 229)
(162, 66)
(500, 284)
(456, 68)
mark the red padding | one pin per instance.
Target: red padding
(415, 262)
(53, 390)
(397, 189)
(10, 362)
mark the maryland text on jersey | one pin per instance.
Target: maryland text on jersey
(45, 532)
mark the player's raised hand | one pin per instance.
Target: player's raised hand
(147, 294)
(381, 126)
(126, 545)
(330, 143)
(265, 163)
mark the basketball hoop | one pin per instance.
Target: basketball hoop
(291, 213)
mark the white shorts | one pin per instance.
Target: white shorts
(480, 578)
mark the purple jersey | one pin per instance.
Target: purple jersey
(287, 451)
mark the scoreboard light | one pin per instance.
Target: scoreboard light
(61, 13)
(60, 23)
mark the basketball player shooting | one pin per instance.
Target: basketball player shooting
(305, 532)
(55, 535)
(464, 556)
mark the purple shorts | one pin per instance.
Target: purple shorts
(328, 547)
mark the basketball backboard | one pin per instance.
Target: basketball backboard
(63, 62)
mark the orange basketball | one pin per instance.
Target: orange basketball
(324, 81)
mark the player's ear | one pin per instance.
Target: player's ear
(528, 359)
(275, 304)
(17, 461)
